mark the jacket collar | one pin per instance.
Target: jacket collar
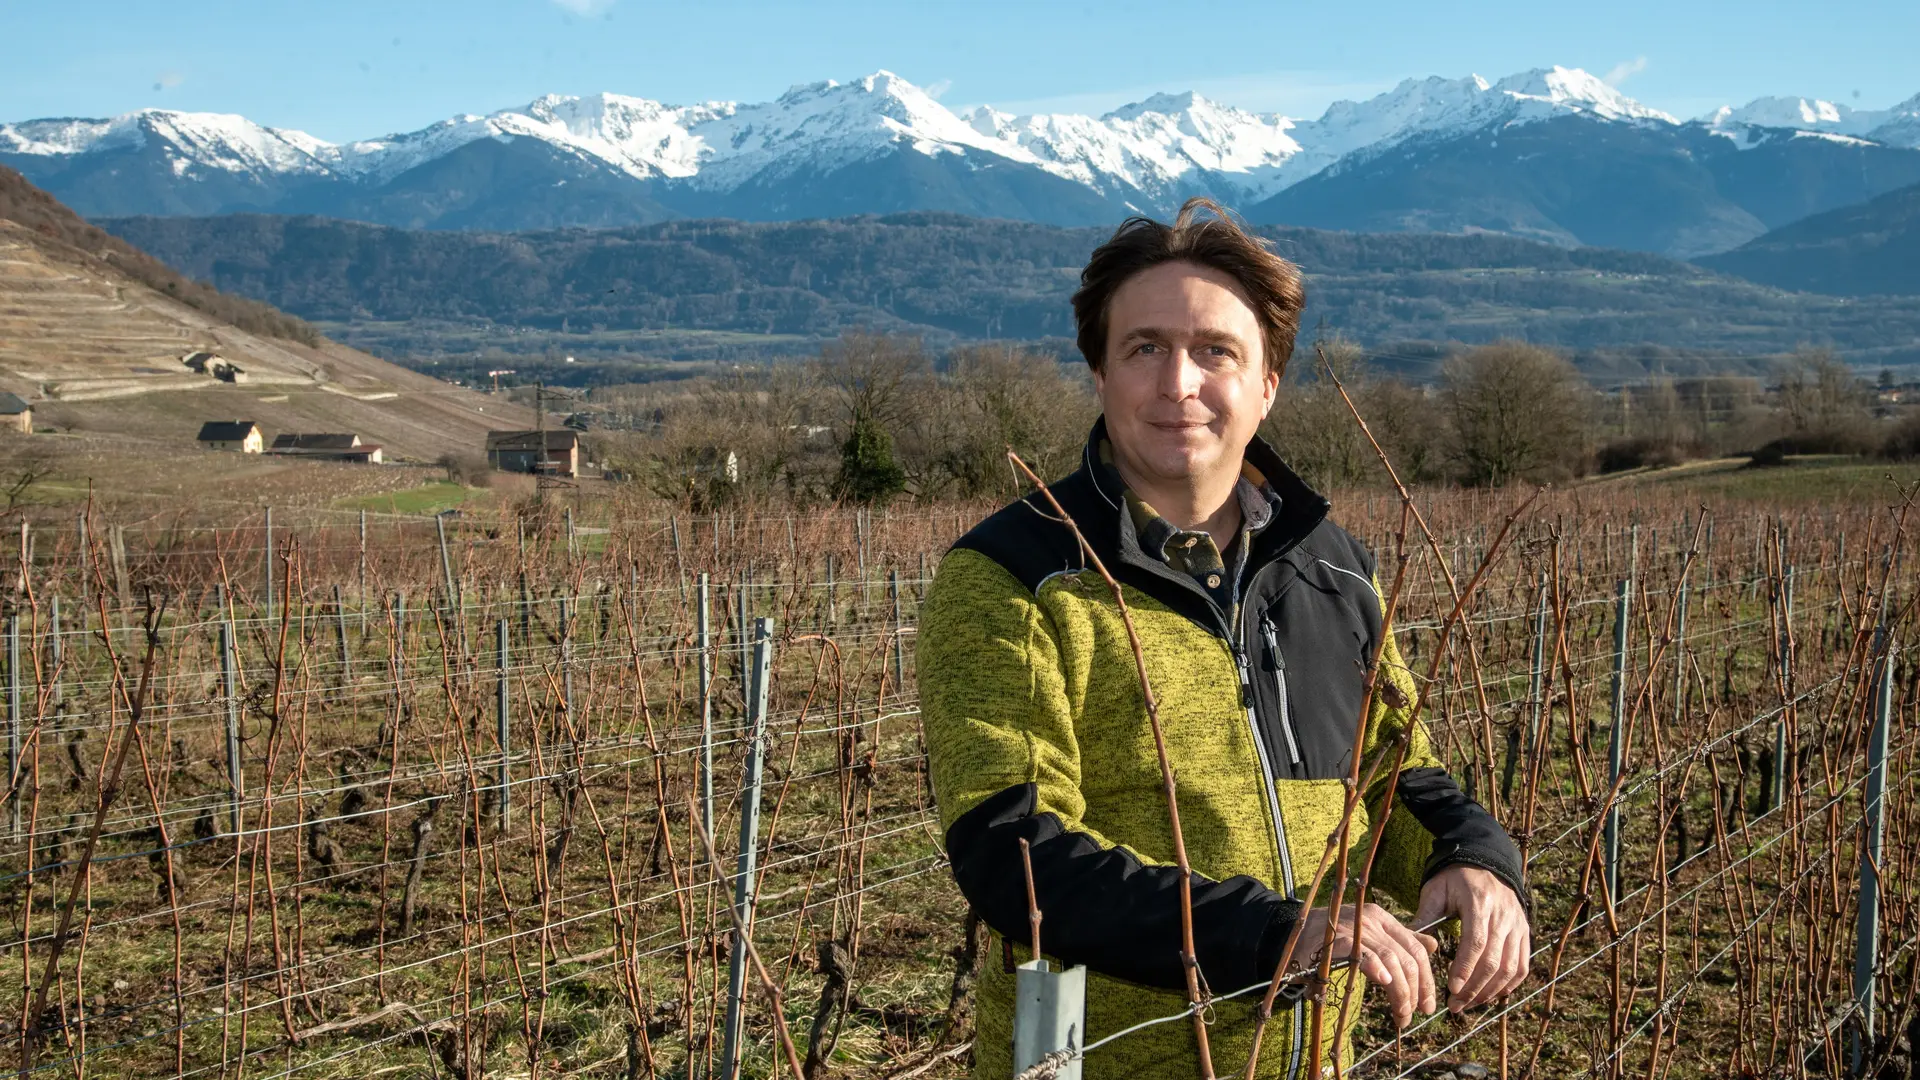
(1300, 511)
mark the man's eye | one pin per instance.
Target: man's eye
(1147, 349)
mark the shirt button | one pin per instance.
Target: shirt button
(1191, 540)
(1213, 581)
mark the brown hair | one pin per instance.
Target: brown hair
(1215, 241)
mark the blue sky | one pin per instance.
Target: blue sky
(353, 69)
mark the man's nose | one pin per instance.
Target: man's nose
(1180, 376)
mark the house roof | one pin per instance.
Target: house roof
(329, 441)
(12, 405)
(561, 439)
(227, 430)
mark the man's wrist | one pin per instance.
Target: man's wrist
(1506, 874)
(1281, 925)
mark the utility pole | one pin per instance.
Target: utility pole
(544, 475)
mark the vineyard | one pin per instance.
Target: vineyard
(325, 794)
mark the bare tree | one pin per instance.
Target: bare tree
(1314, 431)
(1517, 412)
(873, 377)
(1823, 402)
(1310, 425)
(995, 397)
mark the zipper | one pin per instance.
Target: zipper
(1297, 1049)
(1230, 627)
(1280, 684)
(1266, 772)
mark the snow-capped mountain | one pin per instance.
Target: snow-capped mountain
(207, 140)
(1897, 126)
(881, 144)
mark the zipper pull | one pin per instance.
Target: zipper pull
(1273, 643)
(1246, 676)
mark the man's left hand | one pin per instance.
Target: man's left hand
(1496, 944)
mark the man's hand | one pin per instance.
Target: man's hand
(1392, 957)
(1496, 944)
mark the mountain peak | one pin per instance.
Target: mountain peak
(1163, 104)
(1578, 90)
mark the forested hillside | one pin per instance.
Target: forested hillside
(1872, 248)
(31, 208)
(668, 290)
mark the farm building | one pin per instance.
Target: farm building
(241, 435)
(15, 413)
(326, 447)
(521, 451)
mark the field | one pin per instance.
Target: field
(406, 796)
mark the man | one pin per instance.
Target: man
(1258, 619)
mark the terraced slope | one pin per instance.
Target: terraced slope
(95, 349)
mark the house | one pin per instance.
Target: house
(521, 451)
(15, 414)
(326, 447)
(241, 435)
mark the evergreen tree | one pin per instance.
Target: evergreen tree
(868, 471)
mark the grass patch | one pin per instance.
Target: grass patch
(1824, 478)
(426, 499)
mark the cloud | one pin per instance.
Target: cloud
(583, 8)
(938, 90)
(1624, 70)
(167, 80)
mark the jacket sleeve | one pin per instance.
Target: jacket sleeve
(1004, 763)
(1434, 824)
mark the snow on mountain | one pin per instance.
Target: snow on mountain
(1795, 114)
(1160, 149)
(639, 137)
(1437, 107)
(1157, 144)
(1900, 125)
(1897, 126)
(208, 140)
(1555, 91)
(1167, 144)
(828, 125)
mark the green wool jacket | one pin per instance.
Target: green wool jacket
(1036, 729)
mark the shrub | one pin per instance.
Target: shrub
(1640, 452)
(468, 469)
(1903, 441)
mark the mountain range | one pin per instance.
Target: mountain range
(1554, 154)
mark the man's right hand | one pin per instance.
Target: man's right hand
(1392, 956)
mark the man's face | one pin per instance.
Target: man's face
(1184, 385)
